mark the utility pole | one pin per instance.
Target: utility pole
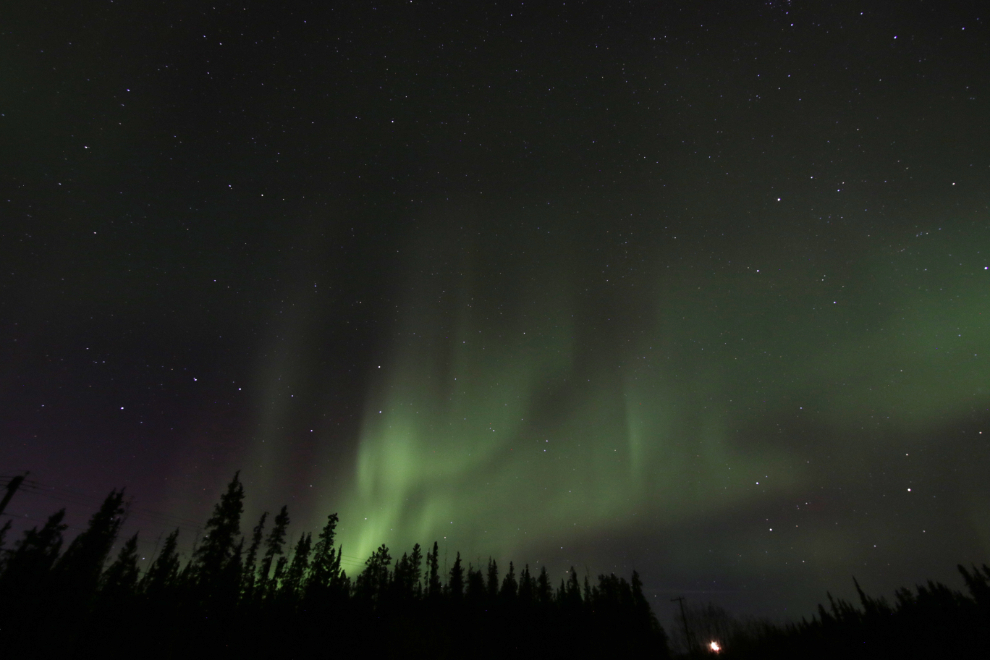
(12, 487)
(687, 631)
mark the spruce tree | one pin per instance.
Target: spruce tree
(643, 612)
(526, 586)
(250, 577)
(222, 529)
(3, 538)
(426, 575)
(231, 581)
(433, 585)
(573, 594)
(120, 579)
(492, 579)
(299, 566)
(77, 571)
(275, 584)
(27, 569)
(475, 585)
(380, 561)
(544, 592)
(339, 582)
(509, 585)
(415, 575)
(27, 585)
(323, 556)
(273, 548)
(456, 583)
(978, 585)
(401, 585)
(373, 581)
(164, 570)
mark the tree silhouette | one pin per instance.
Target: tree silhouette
(544, 592)
(222, 529)
(26, 572)
(250, 571)
(301, 603)
(325, 563)
(492, 580)
(227, 589)
(509, 585)
(299, 566)
(77, 571)
(433, 587)
(3, 539)
(164, 570)
(641, 607)
(978, 584)
(373, 581)
(526, 586)
(476, 591)
(273, 548)
(415, 570)
(572, 594)
(405, 578)
(455, 584)
(120, 580)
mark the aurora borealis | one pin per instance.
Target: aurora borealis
(697, 289)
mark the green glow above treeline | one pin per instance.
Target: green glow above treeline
(523, 407)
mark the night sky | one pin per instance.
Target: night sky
(699, 289)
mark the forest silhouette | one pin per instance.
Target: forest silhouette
(261, 595)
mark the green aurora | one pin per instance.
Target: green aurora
(528, 418)
(699, 289)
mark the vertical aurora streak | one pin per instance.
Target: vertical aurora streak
(700, 289)
(520, 423)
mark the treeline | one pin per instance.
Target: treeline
(248, 596)
(929, 621)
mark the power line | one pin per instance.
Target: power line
(21, 516)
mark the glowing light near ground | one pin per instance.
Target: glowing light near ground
(714, 647)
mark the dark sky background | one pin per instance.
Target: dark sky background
(696, 288)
